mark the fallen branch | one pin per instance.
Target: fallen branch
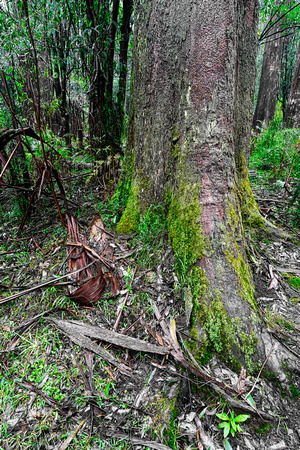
(63, 409)
(83, 341)
(112, 337)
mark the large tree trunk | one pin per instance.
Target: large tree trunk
(193, 87)
(269, 82)
(292, 111)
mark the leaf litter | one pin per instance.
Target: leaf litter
(128, 362)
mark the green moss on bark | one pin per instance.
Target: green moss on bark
(184, 225)
(199, 284)
(131, 216)
(219, 328)
(250, 212)
(236, 259)
(249, 346)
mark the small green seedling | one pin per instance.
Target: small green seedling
(231, 424)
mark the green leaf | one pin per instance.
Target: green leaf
(226, 429)
(223, 416)
(241, 418)
(227, 445)
(233, 425)
(106, 389)
(250, 399)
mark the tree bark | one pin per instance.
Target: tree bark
(269, 82)
(287, 69)
(111, 50)
(125, 35)
(292, 112)
(97, 78)
(193, 85)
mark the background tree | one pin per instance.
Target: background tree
(270, 76)
(292, 112)
(278, 35)
(89, 39)
(290, 45)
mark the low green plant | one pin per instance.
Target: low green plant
(276, 149)
(294, 281)
(294, 391)
(150, 237)
(263, 429)
(230, 424)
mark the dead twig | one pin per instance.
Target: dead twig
(116, 325)
(39, 286)
(70, 438)
(92, 252)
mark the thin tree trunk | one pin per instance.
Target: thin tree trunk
(111, 50)
(125, 35)
(23, 169)
(292, 111)
(269, 82)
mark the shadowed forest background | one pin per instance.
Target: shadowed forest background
(149, 224)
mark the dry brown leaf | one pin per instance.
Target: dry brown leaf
(242, 381)
(173, 331)
(91, 291)
(97, 233)
(274, 279)
(159, 339)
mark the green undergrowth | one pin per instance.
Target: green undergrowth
(275, 157)
(275, 148)
(150, 237)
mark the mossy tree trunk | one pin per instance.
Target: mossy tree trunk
(193, 84)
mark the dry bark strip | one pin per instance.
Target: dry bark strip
(112, 337)
(205, 439)
(83, 341)
(108, 264)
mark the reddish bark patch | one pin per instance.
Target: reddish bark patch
(208, 268)
(209, 51)
(212, 205)
(250, 13)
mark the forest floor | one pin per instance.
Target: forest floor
(63, 384)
